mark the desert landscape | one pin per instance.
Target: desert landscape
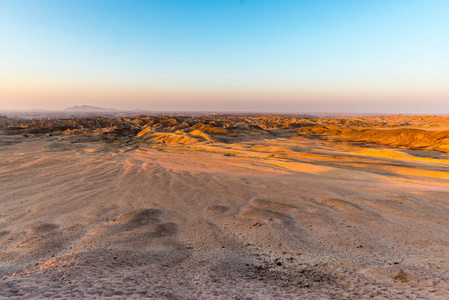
(244, 206)
(239, 149)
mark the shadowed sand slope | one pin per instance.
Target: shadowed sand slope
(285, 217)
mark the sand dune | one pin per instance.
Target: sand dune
(176, 212)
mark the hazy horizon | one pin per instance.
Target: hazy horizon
(262, 109)
(244, 56)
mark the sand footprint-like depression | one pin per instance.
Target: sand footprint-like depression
(263, 222)
(37, 242)
(264, 211)
(139, 228)
(49, 239)
(217, 209)
(259, 210)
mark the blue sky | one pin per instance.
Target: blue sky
(279, 55)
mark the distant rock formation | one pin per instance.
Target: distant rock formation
(87, 108)
(415, 132)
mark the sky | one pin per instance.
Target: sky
(380, 56)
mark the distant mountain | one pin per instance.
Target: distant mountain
(5, 119)
(87, 108)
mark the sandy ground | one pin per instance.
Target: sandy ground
(286, 218)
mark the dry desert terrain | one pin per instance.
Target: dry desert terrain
(225, 207)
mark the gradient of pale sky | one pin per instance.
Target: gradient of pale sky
(232, 55)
